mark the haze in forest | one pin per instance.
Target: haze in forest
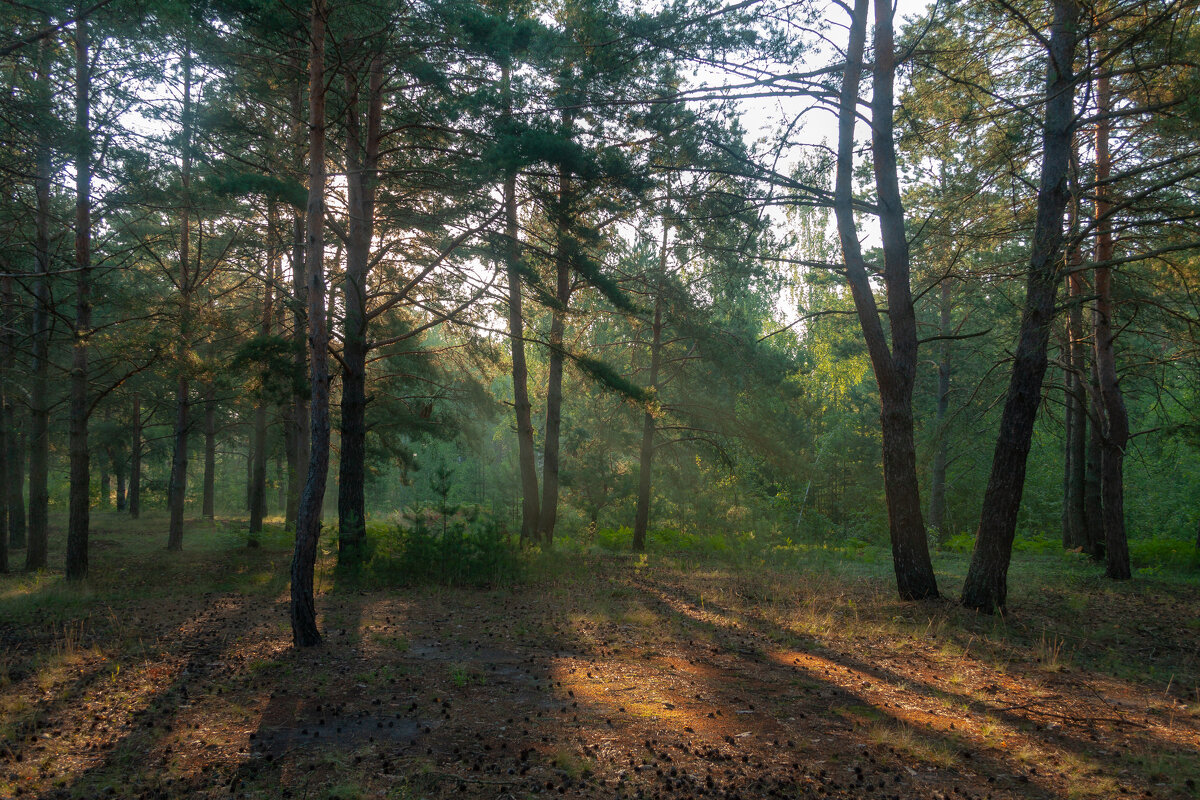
(785, 303)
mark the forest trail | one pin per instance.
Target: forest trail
(616, 678)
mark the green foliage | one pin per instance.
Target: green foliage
(675, 541)
(425, 547)
(1160, 553)
(241, 183)
(273, 361)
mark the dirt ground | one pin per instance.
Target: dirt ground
(613, 678)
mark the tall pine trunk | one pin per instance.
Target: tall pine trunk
(296, 418)
(894, 366)
(39, 384)
(562, 294)
(16, 485)
(1115, 433)
(1093, 496)
(1075, 460)
(177, 488)
(986, 586)
(522, 408)
(362, 158)
(135, 460)
(14, 453)
(118, 467)
(208, 506)
(258, 472)
(937, 488)
(4, 541)
(641, 518)
(308, 517)
(78, 515)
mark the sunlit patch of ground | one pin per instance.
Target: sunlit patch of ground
(625, 678)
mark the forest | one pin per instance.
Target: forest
(498, 398)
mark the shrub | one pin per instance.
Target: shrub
(468, 550)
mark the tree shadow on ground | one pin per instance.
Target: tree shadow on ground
(608, 681)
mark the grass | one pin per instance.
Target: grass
(904, 739)
(684, 638)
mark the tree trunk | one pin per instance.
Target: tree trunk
(258, 473)
(1093, 497)
(39, 399)
(208, 507)
(1075, 461)
(288, 482)
(296, 433)
(986, 586)
(249, 496)
(14, 454)
(177, 484)
(641, 519)
(16, 486)
(894, 367)
(118, 468)
(258, 476)
(1116, 418)
(937, 489)
(105, 484)
(135, 460)
(522, 408)
(280, 482)
(308, 517)
(4, 435)
(562, 293)
(78, 514)
(361, 161)
(177, 489)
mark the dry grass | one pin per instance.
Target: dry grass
(174, 677)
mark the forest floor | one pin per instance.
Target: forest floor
(599, 676)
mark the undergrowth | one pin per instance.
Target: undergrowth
(466, 551)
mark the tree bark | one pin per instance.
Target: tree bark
(894, 367)
(522, 408)
(362, 159)
(1115, 432)
(986, 586)
(1093, 496)
(14, 453)
(78, 513)
(135, 460)
(641, 518)
(562, 293)
(4, 435)
(937, 489)
(177, 488)
(16, 484)
(248, 498)
(296, 433)
(208, 507)
(1075, 461)
(177, 485)
(39, 399)
(308, 517)
(258, 476)
(118, 468)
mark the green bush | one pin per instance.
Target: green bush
(959, 543)
(1164, 552)
(464, 551)
(615, 540)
